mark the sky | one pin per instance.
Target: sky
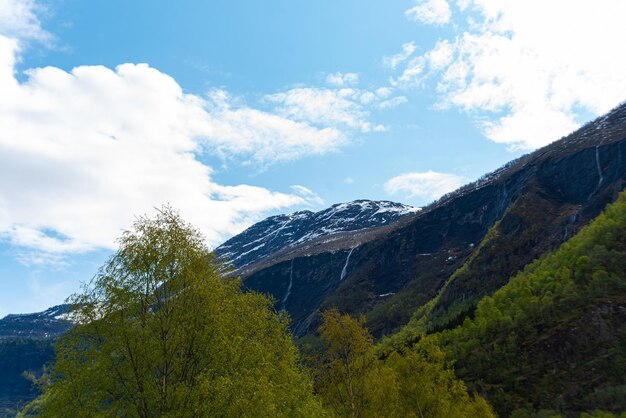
(234, 110)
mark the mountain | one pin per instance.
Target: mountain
(26, 344)
(41, 325)
(280, 232)
(432, 272)
(458, 249)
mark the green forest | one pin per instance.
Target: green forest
(163, 331)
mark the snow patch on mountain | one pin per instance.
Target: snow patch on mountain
(277, 232)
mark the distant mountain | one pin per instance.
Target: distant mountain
(26, 344)
(276, 233)
(460, 248)
(41, 325)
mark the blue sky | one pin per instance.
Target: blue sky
(235, 110)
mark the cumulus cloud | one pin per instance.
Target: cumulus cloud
(82, 152)
(342, 79)
(433, 12)
(530, 67)
(426, 185)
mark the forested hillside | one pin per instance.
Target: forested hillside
(554, 337)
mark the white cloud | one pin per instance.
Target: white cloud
(82, 152)
(317, 106)
(230, 128)
(310, 196)
(342, 79)
(383, 92)
(18, 20)
(441, 55)
(348, 180)
(432, 12)
(412, 75)
(407, 50)
(367, 97)
(427, 185)
(391, 103)
(532, 66)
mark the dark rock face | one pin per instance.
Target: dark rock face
(275, 233)
(563, 195)
(492, 228)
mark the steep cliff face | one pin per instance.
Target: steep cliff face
(491, 229)
(564, 194)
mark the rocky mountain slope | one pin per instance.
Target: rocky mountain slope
(460, 248)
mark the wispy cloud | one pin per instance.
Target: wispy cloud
(528, 73)
(308, 195)
(433, 12)
(342, 79)
(407, 50)
(229, 127)
(321, 107)
(426, 185)
(19, 20)
(391, 103)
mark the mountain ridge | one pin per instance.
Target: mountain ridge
(280, 232)
(409, 261)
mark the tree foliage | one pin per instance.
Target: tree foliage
(161, 332)
(355, 380)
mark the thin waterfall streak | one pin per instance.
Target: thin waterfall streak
(289, 286)
(345, 266)
(599, 168)
(600, 176)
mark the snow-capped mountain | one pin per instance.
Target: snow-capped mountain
(278, 232)
(40, 325)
